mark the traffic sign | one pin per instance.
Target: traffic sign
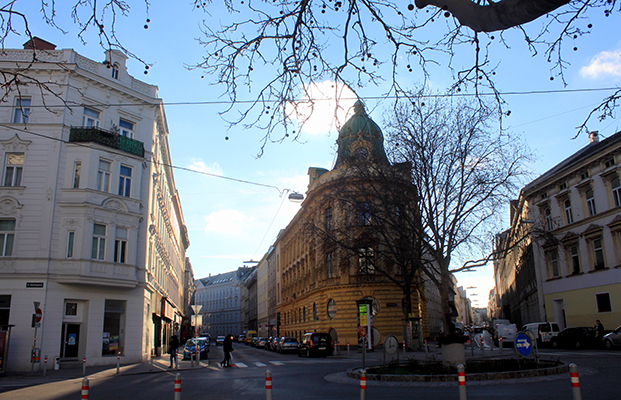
(38, 315)
(523, 345)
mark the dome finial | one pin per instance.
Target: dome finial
(359, 108)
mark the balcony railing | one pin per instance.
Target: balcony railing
(107, 138)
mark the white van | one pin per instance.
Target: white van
(543, 331)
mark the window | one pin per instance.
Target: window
(331, 308)
(113, 328)
(22, 110)
(548, 216)
(598, 254)
(77, 170)
(569, 217)
(330, 264)
(127, 128)
(125, 181)
(5, 309)
(366, 261)
(71, 309)
(553, 264)
(603, 302)
(90, 119)
(70, 241)
(99, 242)
(115, 71)
(575, 259)
(590, 199)
(120, 246)
(13, 169)
(615, 187)
(103, 176)
(363, 213)
(328, 219)
(7, 236)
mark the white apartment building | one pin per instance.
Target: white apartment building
(91, 228)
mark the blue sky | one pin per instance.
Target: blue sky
(230, 222)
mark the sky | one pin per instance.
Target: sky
(234, 220)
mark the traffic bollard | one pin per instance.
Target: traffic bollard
(45, 366)
(84, 366)
(151, 369)
(461, 377)
(500, 343)
(177, 386)
(198, 356)
(84, 388)
(268, 385)
(404, 347)
(575, 381)
(363, 384)
(426, 349)
(347, 348)
(118, 363)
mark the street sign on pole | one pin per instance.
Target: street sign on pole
(523, 345)
(38, 315)
(36, 305)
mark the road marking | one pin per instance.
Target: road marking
(260, 364)
(277, 363)
(241, 365)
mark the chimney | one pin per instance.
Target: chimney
(594, 137)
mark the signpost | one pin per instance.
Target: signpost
(523, 345)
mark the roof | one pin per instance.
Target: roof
(581, 155)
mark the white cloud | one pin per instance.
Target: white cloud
(200, 166)
(227, 222)
(320, 108)
(606, 63)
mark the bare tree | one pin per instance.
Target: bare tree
(465, 171)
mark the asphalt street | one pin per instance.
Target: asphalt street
(314, 378)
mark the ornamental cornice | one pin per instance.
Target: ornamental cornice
(15, 144)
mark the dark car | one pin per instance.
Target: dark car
(316, 345)
(574, 338)
(190, 347)
(613, 339)
(287, 344)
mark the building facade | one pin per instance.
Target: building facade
(93, 235)
(574, 216)
(321, 281)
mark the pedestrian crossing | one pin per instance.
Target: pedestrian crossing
(262, 364)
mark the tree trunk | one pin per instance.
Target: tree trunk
(495, 16)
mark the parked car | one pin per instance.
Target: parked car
(273, 345)
(250, 336)
(220, 341)
(190, 347)
(574, 338)
(254, 341)
(261, 342)
(287, 344)
(542, 331)
(315, 345)
(242, 339)
(612, 339)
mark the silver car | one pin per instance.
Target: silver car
(612, 339)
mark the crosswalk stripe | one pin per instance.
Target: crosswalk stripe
(260, 364)
(241, 365)
(277, 363)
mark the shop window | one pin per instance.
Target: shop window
(113, 327)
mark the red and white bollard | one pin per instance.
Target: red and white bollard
(403, 346)
(575, 382)
(268, 385)
(348, 348)
(177, 387)
(499, 343)
(84, 366)
(84, 389)
(45, 366)
(461, 378)
(118, 363)
(363, 384)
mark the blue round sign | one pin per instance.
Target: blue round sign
(523, 344)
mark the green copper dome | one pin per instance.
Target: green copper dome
(361, 139)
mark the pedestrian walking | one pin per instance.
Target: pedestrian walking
(228, 349)
(173, 345)
(599, 330)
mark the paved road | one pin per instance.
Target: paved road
(303, 378)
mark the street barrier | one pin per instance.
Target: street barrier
(84, 389)
(84, 366)
(177, 386)
(268, 385)
(575, 381)
(461, 378)
(363, 384)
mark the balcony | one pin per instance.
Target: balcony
(107, 138)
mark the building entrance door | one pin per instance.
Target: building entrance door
(70, 339)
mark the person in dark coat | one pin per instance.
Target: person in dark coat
(228, 348)
(599, 330)
(173, 345)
